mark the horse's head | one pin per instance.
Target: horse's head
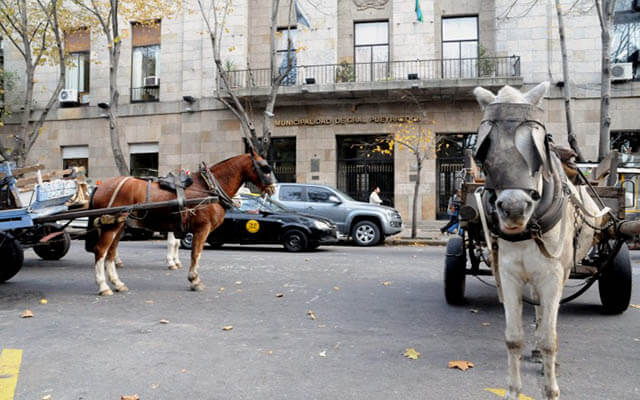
(514, 152)
(262, 174)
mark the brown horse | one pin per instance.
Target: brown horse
(201, 219)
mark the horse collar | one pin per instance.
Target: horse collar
(214, 186)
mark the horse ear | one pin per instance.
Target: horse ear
(542, 147)
(536, 94)
(483, 96)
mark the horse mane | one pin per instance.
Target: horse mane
(509, 94)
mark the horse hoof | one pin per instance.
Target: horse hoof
(197, 288)
(107, 292)
(122, 288)
(120, 264)
(173, 267)
(178, 265)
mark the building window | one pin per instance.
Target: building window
(625, 41)
(76, 156)
(145, 62)
(281, 157)
(282, 59)
(77, 75)
(371, 50)
(143, 159)
(360, 170)
(459, 47)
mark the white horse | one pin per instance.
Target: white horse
(522, 179)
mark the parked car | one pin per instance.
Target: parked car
(367, 224)
(261, 220)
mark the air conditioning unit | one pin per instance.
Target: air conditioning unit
(151, 81)
(621, 72)
(68, 96)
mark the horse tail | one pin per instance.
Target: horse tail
(93, 232)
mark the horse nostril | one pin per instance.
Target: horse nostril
(499, 203)
(528, 204)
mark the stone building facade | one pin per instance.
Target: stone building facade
(361, 66)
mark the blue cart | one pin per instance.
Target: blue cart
(20, 227)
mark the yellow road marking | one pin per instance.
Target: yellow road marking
(502, 393)
(10, 360)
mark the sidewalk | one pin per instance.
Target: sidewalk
(432, 240)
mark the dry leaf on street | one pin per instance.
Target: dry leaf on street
(386, 283)
(473, 310)
(323, 353)
(148, 301)
(311, 314)
(238, 282)
(336, 288)
(411, 353)
(461, 365)
(164, 321)
(279, 294)
(502, 393)
(46, 397)
(130, 397)
(268, 352)
(227, 327)
(43, 301)
(637, 306)
(486, 323)
(27, 314)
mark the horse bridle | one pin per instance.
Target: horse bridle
(501, 124)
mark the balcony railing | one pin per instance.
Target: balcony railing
(463, 68)
(145, 94)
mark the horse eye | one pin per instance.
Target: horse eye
(266, 169)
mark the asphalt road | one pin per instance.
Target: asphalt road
(370, 305)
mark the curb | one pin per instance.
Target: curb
(416, 242)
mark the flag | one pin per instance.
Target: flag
(418, 11)
(301, 18)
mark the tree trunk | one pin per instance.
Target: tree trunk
(605, 89)
(20, 155)
(566, 90)
(416, 191)
(118, 156)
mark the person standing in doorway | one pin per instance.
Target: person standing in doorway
(374, 197)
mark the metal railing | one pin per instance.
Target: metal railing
(438, 69)
(145, 94)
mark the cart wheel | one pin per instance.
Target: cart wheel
(454, 271)
(615, 283)
(57, 247)
(12, 256)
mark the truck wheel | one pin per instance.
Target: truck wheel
(12, 256)
(455, 266)
(615, 283)
(294, 240)
(55, 248)
(187, 241)
(365, 233)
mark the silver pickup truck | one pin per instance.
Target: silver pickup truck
(367, 224)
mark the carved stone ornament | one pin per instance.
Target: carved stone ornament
(365, 4)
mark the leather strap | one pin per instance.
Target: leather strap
(115, 192)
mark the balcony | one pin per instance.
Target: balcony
(429, 79)
(145, 94)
